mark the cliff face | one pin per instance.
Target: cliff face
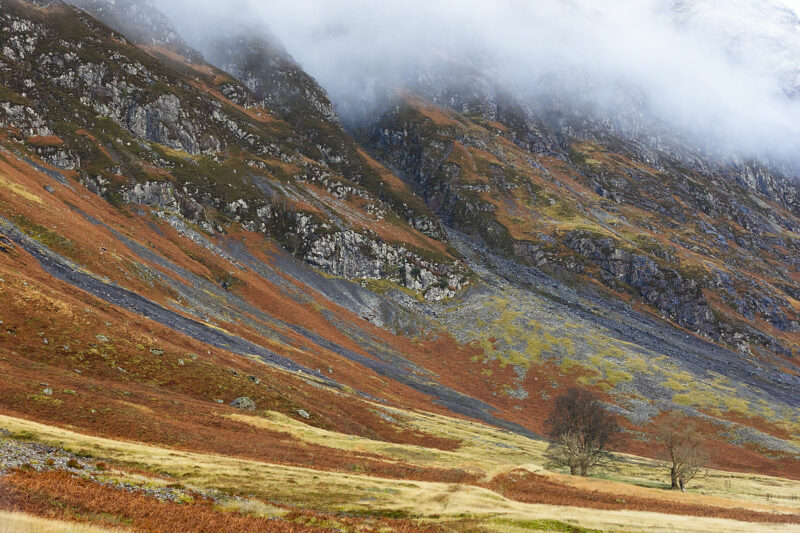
(185, 136)
(595, 205)
(462, 252)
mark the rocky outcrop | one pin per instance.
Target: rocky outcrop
(128, 99)
(352, 255)
(678, 297)
(336, 251)
(24, 119)
(244, 403)
(139, 20)
(753, 299)
(412, 145)
(163, 122)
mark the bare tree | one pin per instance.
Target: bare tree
(580, 429)
(684, 447)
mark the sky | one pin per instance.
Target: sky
(721, 73)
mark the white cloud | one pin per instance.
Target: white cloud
(793, 4)
(718, 73)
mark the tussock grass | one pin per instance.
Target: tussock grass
(443, 502)
(252, 508)
(484, 450)
(588, 520)
(20, 190)
(498, 451)
(25, 523)
(491, 451)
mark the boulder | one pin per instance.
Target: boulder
(244, 403)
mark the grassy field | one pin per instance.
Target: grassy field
(24, 523)
(455, 506)
(489, 451)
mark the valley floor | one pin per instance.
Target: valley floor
(93, 481)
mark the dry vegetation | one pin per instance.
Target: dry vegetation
(62, 496)
(524, 486)
(16, 522)
(146, 400)
(515, 495)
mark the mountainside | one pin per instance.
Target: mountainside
(244, 309)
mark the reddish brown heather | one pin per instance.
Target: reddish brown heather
(59, 495)
(132, 411)
(527, 487)
(140, 403)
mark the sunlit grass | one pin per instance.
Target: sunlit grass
(484, 448)
(24, 523)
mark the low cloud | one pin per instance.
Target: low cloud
(722, 74)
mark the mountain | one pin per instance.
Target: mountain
(225, 306)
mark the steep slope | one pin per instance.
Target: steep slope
(701, 249)
(276, 83)
(184, 154)
(684, 245)
(179, 241)
(148, 101)
(195, 268)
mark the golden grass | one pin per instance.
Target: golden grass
(304, 487)
(629, 521)
(252, 508)
(490, 451)
(498, 451)
(19, 190)
(334, 491)
(485, 450)
(24, 523)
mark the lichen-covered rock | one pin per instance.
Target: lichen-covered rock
(664, 288)
(244, 402)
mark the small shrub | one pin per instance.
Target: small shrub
(73, 463)
(102, 467)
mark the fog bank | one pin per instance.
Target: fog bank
(723, 74)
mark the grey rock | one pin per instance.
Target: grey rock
(244, 402)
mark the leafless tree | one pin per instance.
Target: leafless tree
(580, 428)
(685, 448)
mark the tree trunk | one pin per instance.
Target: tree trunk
(674, 479)
(573, 470)
(583, 470)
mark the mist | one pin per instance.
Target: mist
(722, 75)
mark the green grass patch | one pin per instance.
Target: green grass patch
(544, 525)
